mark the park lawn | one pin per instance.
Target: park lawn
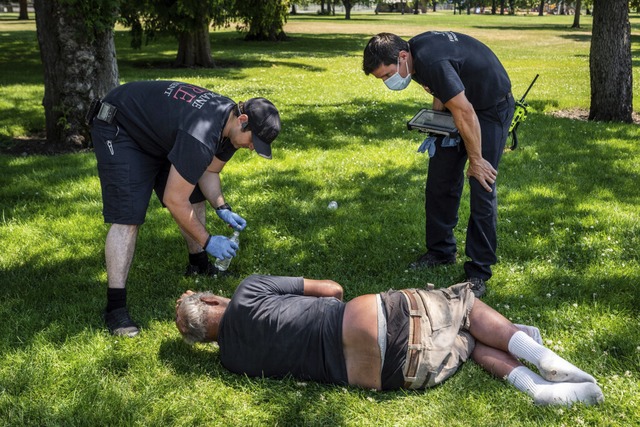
(568, 234)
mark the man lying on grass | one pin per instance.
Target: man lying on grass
(275, 326)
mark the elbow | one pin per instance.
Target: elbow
(323, 288)
(335, 289)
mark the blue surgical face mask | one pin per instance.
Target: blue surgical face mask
(397, 82)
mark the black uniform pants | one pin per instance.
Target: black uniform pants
(445, 181)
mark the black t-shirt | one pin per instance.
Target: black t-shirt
(449, 63)
(271, 329)
(179, 121)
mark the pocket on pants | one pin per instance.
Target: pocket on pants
(116, 192)
(438, 310)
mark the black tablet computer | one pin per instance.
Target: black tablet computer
(433, 121)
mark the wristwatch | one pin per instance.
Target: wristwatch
(225, 206)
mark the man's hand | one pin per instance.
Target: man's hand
(466, 120)
(233, 219)
(483, 172)
(186, 294)
(221, 247)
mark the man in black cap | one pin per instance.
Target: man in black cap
(174, 138)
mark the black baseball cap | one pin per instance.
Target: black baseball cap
(264, 122)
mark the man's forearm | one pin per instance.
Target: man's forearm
(186, 218)
(466, 120)
(468, 125)
(469, 129)
(322, 288)
(211, 187)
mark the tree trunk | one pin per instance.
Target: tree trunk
(347, 8)
(610, 62)
(24, 12)
(541, 11)
(194, 49)
(576, 15)
(79, 65)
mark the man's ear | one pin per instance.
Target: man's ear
(210, 300)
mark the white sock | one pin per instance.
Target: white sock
(549, 393)
(532, 331)
(551, 366)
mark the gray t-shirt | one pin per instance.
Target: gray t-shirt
(271, 329)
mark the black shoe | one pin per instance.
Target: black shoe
(119, 323)
(194, 270)
(429, 260)
(478, 287)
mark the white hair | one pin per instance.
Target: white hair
(194, 317)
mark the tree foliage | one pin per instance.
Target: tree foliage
(263, 19)
(190, 20)
(146, 18)
(91, 16)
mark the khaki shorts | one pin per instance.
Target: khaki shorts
(439, 340)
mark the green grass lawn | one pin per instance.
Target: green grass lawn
(568, 234)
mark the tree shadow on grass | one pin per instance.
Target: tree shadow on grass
(307, 402)
(537, 27)
(230, 52)
(49, 302)
(293, 233)
(232, 68)
(304, 401)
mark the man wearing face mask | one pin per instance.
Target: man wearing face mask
(173, 138)
(466, 79)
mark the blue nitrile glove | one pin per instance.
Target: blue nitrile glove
(451, 141)
(233, 219)
(221, 247)
(429, 144)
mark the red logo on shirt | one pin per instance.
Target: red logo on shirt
(188, 93)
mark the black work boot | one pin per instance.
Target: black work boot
(195, 270)
(478, 286)
(119, 323)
